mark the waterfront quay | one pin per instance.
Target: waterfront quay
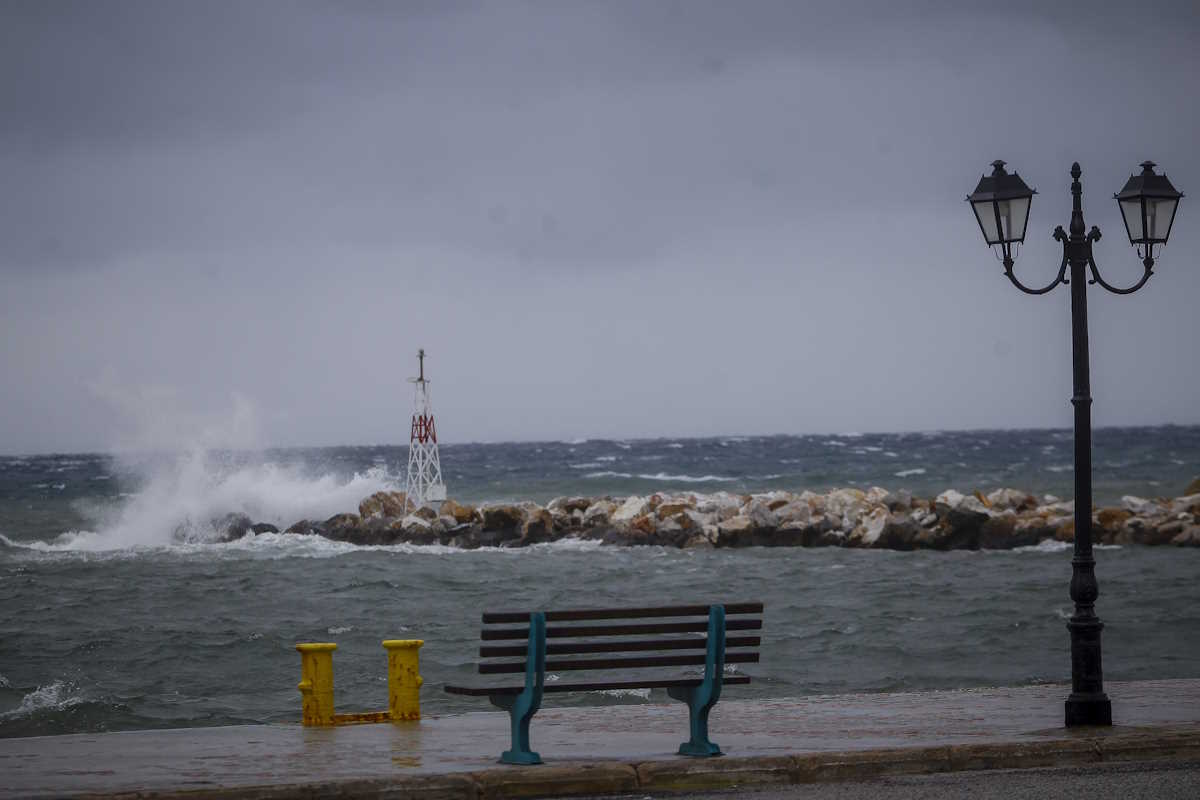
(615, 749)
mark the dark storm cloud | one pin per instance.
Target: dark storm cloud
(664, 185)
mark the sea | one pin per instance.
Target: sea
(118, 610)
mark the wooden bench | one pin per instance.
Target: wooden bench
(705, 632)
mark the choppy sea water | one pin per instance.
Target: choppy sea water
(117, 613)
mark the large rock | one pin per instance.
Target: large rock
(502, 518)
(1012, 499)
(463, 514)
(1032, 529)
(1002, 532)
(537, 527)
(1193, 487)
(599, 514)
(632, 507)
(1162, 533)
(1111, 518)
(1140, 506)
(1188, 504)
(569, 504)
(416, 530)
(951, 501)
(673, 507)
(1188, 538)
(900, 533)
(232, 527)
(723, 504)
(795, 515)
(870, 527)
(383, 504)
(303, 527)
(759, 512)
(734, 532)
(900, 500)
(845, 502)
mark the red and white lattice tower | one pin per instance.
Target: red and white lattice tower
(424, 484)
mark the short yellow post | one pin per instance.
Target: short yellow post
(404, 684)
(316, 682)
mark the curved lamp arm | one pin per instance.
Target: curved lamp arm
(1147, 263)
(1061, 236)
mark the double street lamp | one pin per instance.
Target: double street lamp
(1148, 202)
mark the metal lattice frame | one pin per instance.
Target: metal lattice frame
(424, 482)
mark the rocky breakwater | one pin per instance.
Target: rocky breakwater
(875, 518)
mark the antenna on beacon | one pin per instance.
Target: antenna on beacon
(424, 483)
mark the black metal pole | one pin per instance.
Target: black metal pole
(1087, 704)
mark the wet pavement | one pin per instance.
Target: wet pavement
(632, 737)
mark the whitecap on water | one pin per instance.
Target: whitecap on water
(57, 695)
(182, 498)
(1044, 546)
(905, 473)
(662, 476)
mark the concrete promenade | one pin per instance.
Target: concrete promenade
(608, 749)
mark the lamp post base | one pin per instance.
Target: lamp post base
(1088, 709)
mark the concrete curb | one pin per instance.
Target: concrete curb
(676, 775)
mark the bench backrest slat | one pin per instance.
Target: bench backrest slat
(616, 663)
(620, 646)
(611, 641)
(566, 631)
(582, 614)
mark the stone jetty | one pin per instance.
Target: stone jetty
(873, 518)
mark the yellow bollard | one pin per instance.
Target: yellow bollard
(316, 682)
(404, 684)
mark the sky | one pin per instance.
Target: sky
(237, 222)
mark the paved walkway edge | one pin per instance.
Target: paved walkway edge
(729, 772)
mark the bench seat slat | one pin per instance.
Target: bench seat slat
(569, 631)
(497, 668)
(494, 617)
(627, 646)
(476, 691)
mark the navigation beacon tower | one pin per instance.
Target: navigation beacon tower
(424, 484)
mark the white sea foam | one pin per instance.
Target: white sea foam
(662, 476)
(675, 445)
(1059, 468)
(183, 497)
(57, 695)
(835, 443)
(608, 474)
(1044, 546)
(905, 473)
(336, 629)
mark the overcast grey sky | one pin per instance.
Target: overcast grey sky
(240, 220)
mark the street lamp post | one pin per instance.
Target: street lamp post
(1148, 202)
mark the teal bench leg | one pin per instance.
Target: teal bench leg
(523, 706)
(700, 699)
